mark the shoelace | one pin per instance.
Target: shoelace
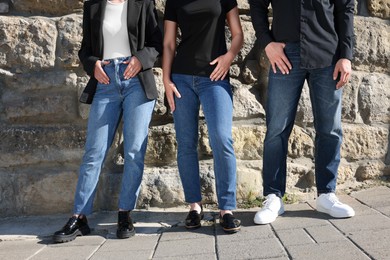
(333, 198)
(267, 202)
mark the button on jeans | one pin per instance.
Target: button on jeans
(216, 100)
(284, 92)
(119, 97)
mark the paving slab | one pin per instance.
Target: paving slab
(332, 250)
(19, 249)
(300, 233)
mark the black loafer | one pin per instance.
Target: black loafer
(125, 225)
(75, 226)
(229, 223)
(193, 219)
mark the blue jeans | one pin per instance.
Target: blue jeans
(284, 92)
(217, 103)
(119, 97)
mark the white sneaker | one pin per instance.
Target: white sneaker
(328, 203)
(273, 207)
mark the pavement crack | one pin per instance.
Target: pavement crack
(310, 236)
(156, 245)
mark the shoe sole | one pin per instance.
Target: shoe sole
(123, 235)
(324, 210)
(231, 230)
(193, 227)
(268, 222)
(71, 237)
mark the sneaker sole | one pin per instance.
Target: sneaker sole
(326, 211)
(281, 212)
(71, 237)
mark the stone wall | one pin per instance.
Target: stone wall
(42, 125)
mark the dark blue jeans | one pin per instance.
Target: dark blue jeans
(216, 100)
(284, 92)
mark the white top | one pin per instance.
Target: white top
(115, 36)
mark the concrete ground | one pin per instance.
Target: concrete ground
(301, 233)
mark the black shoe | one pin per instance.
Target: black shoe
(229, 223)
(125, 225)
(75, 226)
(193, 219)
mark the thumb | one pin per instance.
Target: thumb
(335, 72)
(214, 61)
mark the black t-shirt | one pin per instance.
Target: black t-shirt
(202, 25)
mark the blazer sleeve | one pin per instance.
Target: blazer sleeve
(85, 52)
(153, 39)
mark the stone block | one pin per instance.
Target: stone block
(246, 101)
(362, 142)
(28, 44)
(248, 141)
(379, 8)
(69, 40)
(40, 107)
(372, 47)
(162, 147)
(51, 7)
(37, 190)
(22, 146)
(371, 170)
(32, 82)
(373, 98)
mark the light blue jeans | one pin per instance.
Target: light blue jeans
(284, 92)
(119, 97)
(216, 100)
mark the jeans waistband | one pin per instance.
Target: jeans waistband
(118, 60)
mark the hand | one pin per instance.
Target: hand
(99, 73)
(222, 68)
(276, 56)
(133, 68)
(171, 89)
(343, 66)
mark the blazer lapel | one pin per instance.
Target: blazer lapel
(102, 11)
(133, 11)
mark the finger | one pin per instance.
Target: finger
(282, 67)
(224, 75)
(335, 73)
(174, 89)
(273, 67)
(126, 62)
(214, 61)
(286, 61)
(339, 84)
(171, 102)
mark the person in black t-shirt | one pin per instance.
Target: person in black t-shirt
(198, 75)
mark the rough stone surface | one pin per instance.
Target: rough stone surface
(373, 98)
(48, 7)
(27, 44)
(379, 8)
(372, 47)
(43, 126)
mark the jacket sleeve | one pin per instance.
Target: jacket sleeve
(343, 16)
(85, 52)
(259, 15)
(153, 39)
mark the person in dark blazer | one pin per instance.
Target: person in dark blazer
(121, 42)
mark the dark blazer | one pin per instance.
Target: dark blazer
(144, 36)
